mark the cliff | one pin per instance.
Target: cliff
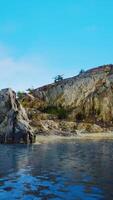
(14, 123)
(82, 102)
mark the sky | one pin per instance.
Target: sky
(40, 39)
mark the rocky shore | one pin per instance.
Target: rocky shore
(82, 104)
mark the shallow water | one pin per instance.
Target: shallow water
(62, 170)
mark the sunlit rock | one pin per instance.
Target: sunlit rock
(14, 123)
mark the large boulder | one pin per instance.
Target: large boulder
(14, 123)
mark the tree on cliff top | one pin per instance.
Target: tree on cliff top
(58, 78)
(81, 71)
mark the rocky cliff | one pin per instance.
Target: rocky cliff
(14, 123)
(86, 100)
(81, 104)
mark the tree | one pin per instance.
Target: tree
(58, 78)
(30, 90)
(81, 71)
(20, 94)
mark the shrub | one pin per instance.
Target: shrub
(30, 90)
(60, 112)
(81, 71)
(20, 94)
(58, 78)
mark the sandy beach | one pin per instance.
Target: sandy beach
(40, 139)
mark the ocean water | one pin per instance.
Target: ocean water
(72, 170)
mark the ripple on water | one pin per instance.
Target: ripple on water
(57, 171)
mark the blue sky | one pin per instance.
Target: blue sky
(42, 38)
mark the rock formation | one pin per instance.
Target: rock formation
(80, 104)
(14, 123)
(86, 98)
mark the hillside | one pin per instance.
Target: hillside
(83, 102)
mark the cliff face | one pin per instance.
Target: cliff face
(86, 97)
(83, 103)
(14, 123)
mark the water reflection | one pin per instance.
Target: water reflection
(67, 170)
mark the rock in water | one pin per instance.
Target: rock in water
(14, 123)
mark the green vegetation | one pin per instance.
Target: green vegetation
(58, 78)
(20, 94)
(60, 112)
(30, 90)
(81, 71)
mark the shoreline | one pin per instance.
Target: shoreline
(43, 139)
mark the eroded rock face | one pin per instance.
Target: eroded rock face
(89, 96)
(14, 123)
